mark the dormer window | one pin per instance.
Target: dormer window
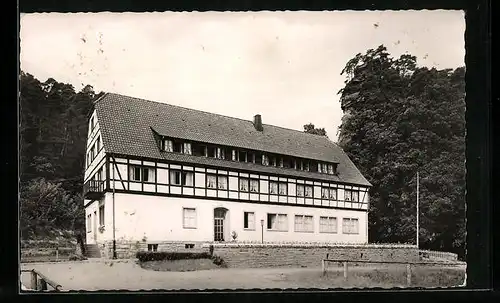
(330, 169)
(319, 167)
(177, 147)
(220, 153)
(265, 159)
(167, 145)
(187, 149)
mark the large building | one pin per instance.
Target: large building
(157, 173)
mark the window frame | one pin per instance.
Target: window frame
(195, 218)
(303, 223)
(102, 218)
(328, 231)
(278, 215)
(245, 179)
(246, 220)
(348, 230)
(250, 180)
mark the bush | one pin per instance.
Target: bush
(145, 256)
(219, 261)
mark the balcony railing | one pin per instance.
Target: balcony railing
(93, 189)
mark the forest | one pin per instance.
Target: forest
(398, 119)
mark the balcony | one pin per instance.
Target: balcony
(93, 189)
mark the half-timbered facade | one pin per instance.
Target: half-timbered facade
(157, 172)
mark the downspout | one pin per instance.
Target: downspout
(114, 239)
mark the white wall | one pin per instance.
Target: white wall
(161, 219)
(97, 162)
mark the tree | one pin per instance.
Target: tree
(400, 119)
(53, 132)
(309, 128)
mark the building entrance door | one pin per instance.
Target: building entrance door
(219, 222)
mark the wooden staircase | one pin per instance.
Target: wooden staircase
(92, 251)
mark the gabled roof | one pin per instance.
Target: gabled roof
(127, 126)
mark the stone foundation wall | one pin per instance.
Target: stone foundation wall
(252, 256)
(128, 249)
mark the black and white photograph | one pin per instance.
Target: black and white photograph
(226, 150)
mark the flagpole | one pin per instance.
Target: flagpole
(417, 209)
(114, 239)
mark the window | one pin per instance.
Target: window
(212, 152)
(325, 194)
(167, 145)
(101, 215)
(308, 191)
(351, 195)
(249, 220)
(189, 245)
(350, 226)
(92, 123)
(330, 169)
(92, 152)
(135, 173)
(89, 223)
(281, 162)
(243, 184)
(327, 225)
(189, 217)
(272, 161)
(307, 166)
(152, 247)
(187, 149)
(278, 222)
(324, 168)
(199, 150)
(177, 147)
(181, 178)
(304, 223)
(222, 182)
(265, 159)
(234, 155)
(144, 174)
(300, 190)
(254, 186)
(98, 142)
(329, 193)
(273, 187)
(211, 181)
(242, 156)
(220, 153)
(283, 189)
(333, 194)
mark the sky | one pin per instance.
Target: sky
(283, 65)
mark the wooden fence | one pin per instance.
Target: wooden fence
(408, 265)
(39, 281)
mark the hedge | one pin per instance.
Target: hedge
(144, 256)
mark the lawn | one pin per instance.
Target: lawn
(113, 275)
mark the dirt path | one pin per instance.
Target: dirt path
(130, 276)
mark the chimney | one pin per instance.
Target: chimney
(257, 122)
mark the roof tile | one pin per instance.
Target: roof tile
(126, 124)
